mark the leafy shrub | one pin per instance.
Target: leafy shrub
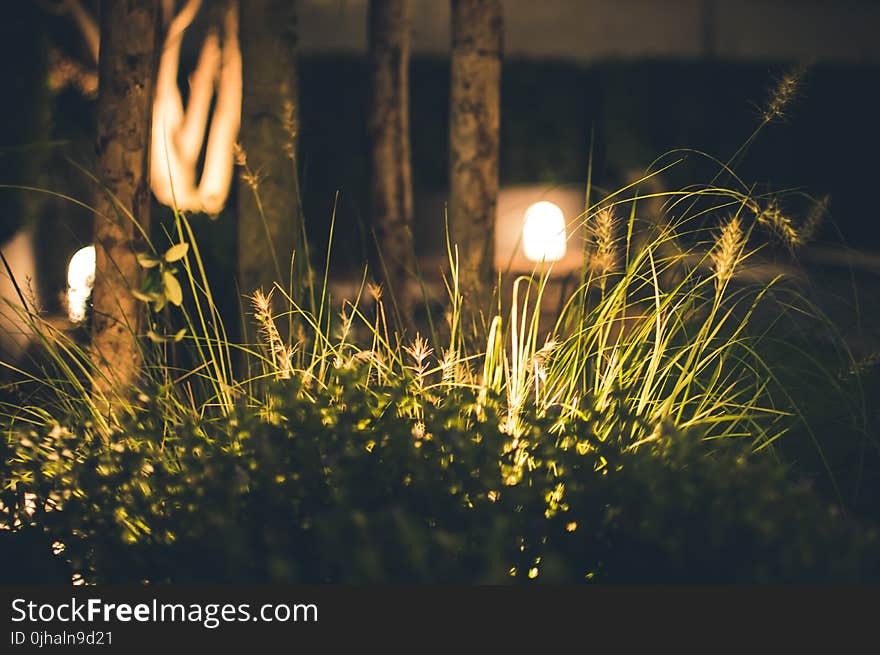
(671, 512)
(335, 486)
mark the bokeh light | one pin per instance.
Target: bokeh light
(544, 232)
(80, 280)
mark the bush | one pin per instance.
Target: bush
(334, 486)
(671, 512)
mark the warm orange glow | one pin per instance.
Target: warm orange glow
(178, 135)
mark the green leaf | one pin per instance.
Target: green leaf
(172, 288)
(155, 337)
(143, 297)
(176, 252)
(147, 261)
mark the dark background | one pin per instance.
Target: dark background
(636, 109)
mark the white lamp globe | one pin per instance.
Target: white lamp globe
(80, 280)
(544, 232)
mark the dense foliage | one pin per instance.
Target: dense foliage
(332, 485)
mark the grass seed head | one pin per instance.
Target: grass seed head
(814, 219)
(773, 217)
(282, 354)
(604, 257)
(290, 126)
(239, 154)
(728, 248)
(419, 351)
(784, 93)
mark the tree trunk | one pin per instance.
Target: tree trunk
(477, 35)
(270, 225)
(391, 203)
(129, 34)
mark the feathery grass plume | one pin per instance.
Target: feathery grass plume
(284, 359)
(249, 177)
(726, 253)
(783, 94)
(773, 217)
(239, 154)
(281, 353)
(375, 290)
(449, 366)
(419, 351)
(262, 304)
(604, 258)
(290, 126)
(347, 317)
(814, 219)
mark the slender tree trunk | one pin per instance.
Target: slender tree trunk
(270, 225)
(477, 36)
(129, 35)
(391, 202)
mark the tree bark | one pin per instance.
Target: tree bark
(477, 36)
(129, 35)
(391, 201)
(270, 226)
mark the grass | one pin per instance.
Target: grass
(658, 322)
(660, 325)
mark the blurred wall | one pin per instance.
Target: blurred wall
(19, 255)
(588, 30)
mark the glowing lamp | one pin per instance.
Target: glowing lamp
(544, 232)
(80, 280)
